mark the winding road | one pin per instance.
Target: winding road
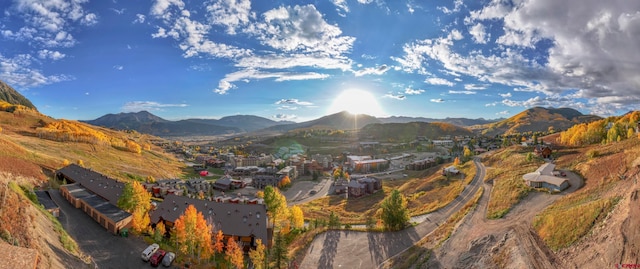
(354, 249)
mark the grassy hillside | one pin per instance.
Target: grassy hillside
(538, 119)
(409, 131)
(425, 191)
(608, 170)
(31, 142)
(505, 168)
(11, 96)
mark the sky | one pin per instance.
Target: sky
(300, 60)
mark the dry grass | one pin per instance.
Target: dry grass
(507, 168)
(424, 195)
(574, 215)
(564, 223)
(420, 253)
(28, 153)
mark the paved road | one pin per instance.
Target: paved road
(300, 192)
(351, 249)
(107, 250)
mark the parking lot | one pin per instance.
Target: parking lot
(106, 249)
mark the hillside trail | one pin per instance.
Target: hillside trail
(509, 242)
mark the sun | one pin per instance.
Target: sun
(356, 102)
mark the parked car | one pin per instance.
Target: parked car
(157, 257)
(562, 173)
(168, 259)
(149, 251)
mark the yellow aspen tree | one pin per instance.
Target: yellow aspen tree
(258, 255)
(297, 217)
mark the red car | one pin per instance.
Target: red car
(156, 259)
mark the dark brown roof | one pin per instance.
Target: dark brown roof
(105, 187)
(232, 219)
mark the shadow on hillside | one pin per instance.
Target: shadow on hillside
(66, 258)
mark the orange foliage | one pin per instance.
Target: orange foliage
(234, 253)
(193, 234)
(285, 181)
(66, 130)
(73, 131)
(608, 130)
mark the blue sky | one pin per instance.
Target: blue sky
(299, 60)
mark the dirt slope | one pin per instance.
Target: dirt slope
(24, 225)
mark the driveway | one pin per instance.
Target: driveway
(352, 249)
(106, 249)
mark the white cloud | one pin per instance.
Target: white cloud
(503, 113)
(455, 35)
(505, 95)
(287, 107)
(438, 100)
(593, 48)
(491, 104)
(462, 92)
(231, 14)
(293, 101)
(224, 87)
(118, 67)
(410, 8)
(300, 29)
(475, 87)
(379, 70)
(410, 91)
(295, 37)
(48, 54)
(395, 96)
(495, 10)
(118, 11)
(47, 23)
(479, 34)
(140, 18)
(191, 34)
(341, 5)
(252, 74)
(439, 81)
(457, 5)
(18, 72)
(137, 106)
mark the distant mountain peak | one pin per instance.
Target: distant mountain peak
(11, 96)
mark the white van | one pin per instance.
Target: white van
(146, 254)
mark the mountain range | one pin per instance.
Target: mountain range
(530, 120)
(145, 122)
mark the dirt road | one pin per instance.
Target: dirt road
(510, 241)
